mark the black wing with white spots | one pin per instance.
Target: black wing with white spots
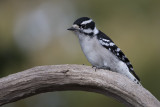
(109, 44)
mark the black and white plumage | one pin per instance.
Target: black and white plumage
(100, 50)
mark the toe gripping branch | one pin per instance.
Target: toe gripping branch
(101, 67)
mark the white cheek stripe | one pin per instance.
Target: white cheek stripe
(86, 22)
(88, 30)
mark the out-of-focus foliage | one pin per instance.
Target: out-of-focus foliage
(34, 33)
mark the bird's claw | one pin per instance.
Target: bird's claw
(103, 67)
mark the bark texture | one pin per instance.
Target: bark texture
(51, 78)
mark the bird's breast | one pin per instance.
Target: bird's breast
(92, 50)
(96, 54)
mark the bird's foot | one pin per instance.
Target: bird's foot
(104, 67)
(101, 67)
(94, 67)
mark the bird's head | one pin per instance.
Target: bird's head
(85, 26)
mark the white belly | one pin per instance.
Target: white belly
(96, 54)
(99, 56)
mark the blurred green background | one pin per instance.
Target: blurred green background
(33, 32)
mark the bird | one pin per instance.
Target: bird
(100, 50)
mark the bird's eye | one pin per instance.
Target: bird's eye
(83, 26)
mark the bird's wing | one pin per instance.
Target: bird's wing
(106, 42)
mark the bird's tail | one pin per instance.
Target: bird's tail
(133, 78)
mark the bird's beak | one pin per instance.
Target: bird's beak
(71, 29)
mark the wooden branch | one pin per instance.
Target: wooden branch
(74, 77)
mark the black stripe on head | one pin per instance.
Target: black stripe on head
(81, 23)
(90, 25)
(80, 20)
(86, 25)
